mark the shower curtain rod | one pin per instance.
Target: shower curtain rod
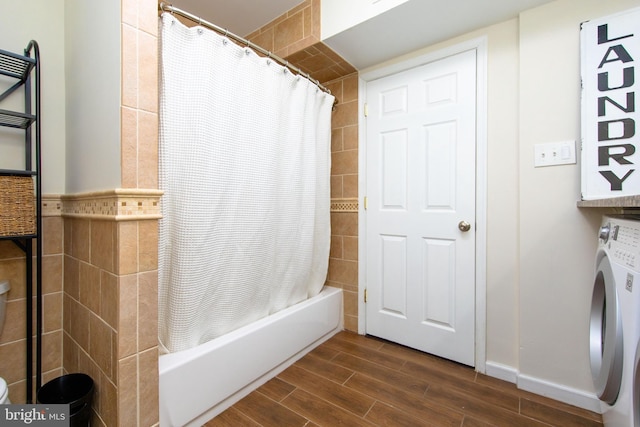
(166, 7)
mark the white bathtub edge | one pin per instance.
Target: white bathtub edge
(322, 315)
(236, 397)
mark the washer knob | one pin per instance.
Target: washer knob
(604, 232)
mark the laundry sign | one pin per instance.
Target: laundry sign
(610, 68)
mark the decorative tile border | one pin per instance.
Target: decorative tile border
(130, 205)
(117, 205)
(51, 205)
(344, 205)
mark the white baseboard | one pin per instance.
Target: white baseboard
(502, 372)
(580, 398)
(562, 393)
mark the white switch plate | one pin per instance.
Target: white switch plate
(555, 153)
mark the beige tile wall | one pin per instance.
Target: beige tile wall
(295, 36)
(139, 94)
(343, 262)
(110, 266)
(110, 315)
(291, 32)
(111, 250)
(13, 339)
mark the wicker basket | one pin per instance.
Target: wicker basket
(17, 206)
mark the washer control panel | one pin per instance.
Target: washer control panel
(622, 237)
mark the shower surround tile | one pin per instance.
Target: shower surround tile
(147, 148)
(132, 289)
(291, 28)
(128, 390)
(124, 309)
(149, 389)
(350, 185)
(128, 253)
(129, 66)
(295, 37)
(350, 248)
(343, 261)
(147, 46)
(128, 315)
(148, 311)
(350, 137)
(129, 146)
(148, 245)
(109, 240)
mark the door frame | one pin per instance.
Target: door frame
(480, 45)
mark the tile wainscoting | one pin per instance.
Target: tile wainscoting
(100, 295)
(110, 303)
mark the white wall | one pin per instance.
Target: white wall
(502, 194)
(557, 240)
(43, 21)
(92, 53)
(80, 57)
(339, 15)
(540, 246)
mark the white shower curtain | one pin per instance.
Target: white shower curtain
(245, 168)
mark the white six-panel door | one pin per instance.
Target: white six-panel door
(420, 188)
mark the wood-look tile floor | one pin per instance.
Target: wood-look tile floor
(353, 380)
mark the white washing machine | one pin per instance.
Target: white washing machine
(615, 322)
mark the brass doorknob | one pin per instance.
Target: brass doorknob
(464, 226)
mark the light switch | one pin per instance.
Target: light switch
(555, 153)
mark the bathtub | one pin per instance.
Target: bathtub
(199, 383)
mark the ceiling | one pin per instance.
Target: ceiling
(405, 28)
(238, 16)
(419, 23)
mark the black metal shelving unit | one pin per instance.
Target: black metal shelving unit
(24, 70)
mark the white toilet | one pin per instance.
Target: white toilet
(4, 289)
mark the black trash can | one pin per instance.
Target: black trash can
(75, 390)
